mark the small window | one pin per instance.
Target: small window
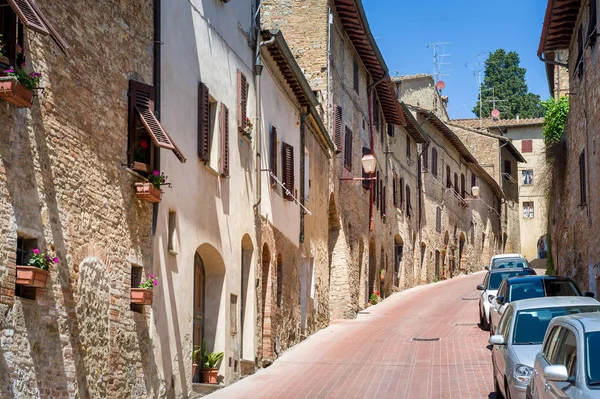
(24, 250)
(527, 176)
(408, 206)
(356, 78)
(582, 180)
(348, 149)
(448, 177)
(528, 209)
(172, 232)
(425, 157)
(526, 146)
(408, 148)
(242, 94)
(507, 167)
(390, 130)
(434, 162)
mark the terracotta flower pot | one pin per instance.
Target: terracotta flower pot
(141, 296)
(32, 276)
(382, 277)
(147, 192)
(15, 93)
(209, 376)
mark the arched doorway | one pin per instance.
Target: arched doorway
(246, 301)
(267, 294)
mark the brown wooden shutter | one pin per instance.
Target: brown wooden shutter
(408, 206)
(383, 202)
(288, 170)
(527, 146)
(356, 78)
(463, 191)
(434, 162)
(28, 15)
(224, 127)
(53, 33)
(348, 149)
(203, 123)
(337, 127)
(273, 154)
(242, 88)
(401, 192)
(142, 98)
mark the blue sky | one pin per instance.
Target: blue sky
(402, 29)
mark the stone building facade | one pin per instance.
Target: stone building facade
(67, 187)
(573, 214)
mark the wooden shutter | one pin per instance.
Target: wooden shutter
(28, 15)
(592, 14)
(273, 154)
(142, 98)
(401, 192)
(203, 123)
(356, 78)
(456, 183)
(462, 185)
(224, 129)
(348, 149)
(394, 188)
(390, 130)
(53, 33)
(582, 181)
(242, 91)
(288, 170)
(408, 207)
(526, 146)
(425, 157)
(337, 127)
(366, 184)
(434, 162)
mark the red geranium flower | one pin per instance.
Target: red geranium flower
(144, 144)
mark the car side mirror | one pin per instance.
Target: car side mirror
(498, 340)
(480, 287)
(486, 267)
(500, 300)
(589, 294)
(556, 373)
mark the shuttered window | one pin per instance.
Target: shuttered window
(582, 180)
(526, 146)
(337, 127)
(274, 149)
(287, 164)
(142, 118)
(33, 18)
(592, 20)
(508, 167)
(463, 191)
(434, 162)
(438, 219)
(356, 78)
(242, 92)
(473, 182)
(448, 177)
(401, 192)
(224, 130)
(425, 156)
(408, 205)
(348, 149)
(366, 184)
(203, 123)
(394, 189)
(390, 130)
(407, 147)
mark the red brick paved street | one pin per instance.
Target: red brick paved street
(374, 356)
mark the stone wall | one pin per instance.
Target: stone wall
(62, 182)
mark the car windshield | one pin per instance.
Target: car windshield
(592, 348)
(540, 288)
(509, 263)
(531, 324)
(496, 278)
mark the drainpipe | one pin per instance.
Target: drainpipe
(156, 84)
(562, 64)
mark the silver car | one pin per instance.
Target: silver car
(519, 338)
(569, 364)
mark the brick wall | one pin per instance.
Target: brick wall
(62, 182)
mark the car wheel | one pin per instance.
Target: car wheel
(481, 322)
(497, 389)
(484, 323)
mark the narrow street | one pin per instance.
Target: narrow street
(375, 356)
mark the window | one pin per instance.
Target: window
(397, 257)
(526, 146)
(434, 162)
(473, 182)
(425, 157)
(507, 167)
(505, 322)
(438, 219)
(337, 127)
(233, 313)
(242, 95)
(24, 249)
(145, 131)
(463, 190)
(580, 52)
(136, 280)
(224, 142)
(401, 191)
(592, 20)
(274, 149)
(205, 122)
(448, 177)
(408, 207)
(366, 184)
(407, 148)
(348, 149)
(395, 188)
(528, 209)
(287, 165)
(390, 130)
(527, 176)
(171, 245)
(550, 344)
(356, 78)
(582, 179)
(456, 182)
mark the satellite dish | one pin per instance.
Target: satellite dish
(495, 113)
(440, 85)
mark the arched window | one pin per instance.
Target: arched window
(448, 177)
(456, 182)
(462, 185)
(434, 167)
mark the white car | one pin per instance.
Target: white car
(569, 364)
(496, 259)
(489, 289)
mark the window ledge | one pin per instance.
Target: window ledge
(135, 173)
(211, 170)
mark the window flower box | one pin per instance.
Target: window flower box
(147, 192)
(141, 296)
(32, 276)
(15, 93)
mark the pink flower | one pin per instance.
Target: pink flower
(36, 251)
(155, 282)
(55, 260)
(151, 276)
(156, 173)
(9, 70)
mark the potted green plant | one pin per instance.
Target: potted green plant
(37, 271)
(150, 191)
(210, 371)
(195, 354)
(382, 275)
(17, 86)
(374, 298)
(143, 294)
(247, 129)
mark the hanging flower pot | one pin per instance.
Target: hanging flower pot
(15, 93)
(147, 192)
(141, 296)
(31, 276)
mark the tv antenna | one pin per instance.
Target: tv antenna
(439, 53)
(477, 68)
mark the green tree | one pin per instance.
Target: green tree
(504, 79)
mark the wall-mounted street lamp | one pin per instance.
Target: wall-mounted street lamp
(474, 194)
(368, 163)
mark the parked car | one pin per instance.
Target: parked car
(568, 365)
(522, 287)
(520, 335)
(500, 259)
(489, 288)
(509, 263)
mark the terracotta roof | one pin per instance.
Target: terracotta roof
(356, 26)
(559, 23)
(489, 122)
(408, 77)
